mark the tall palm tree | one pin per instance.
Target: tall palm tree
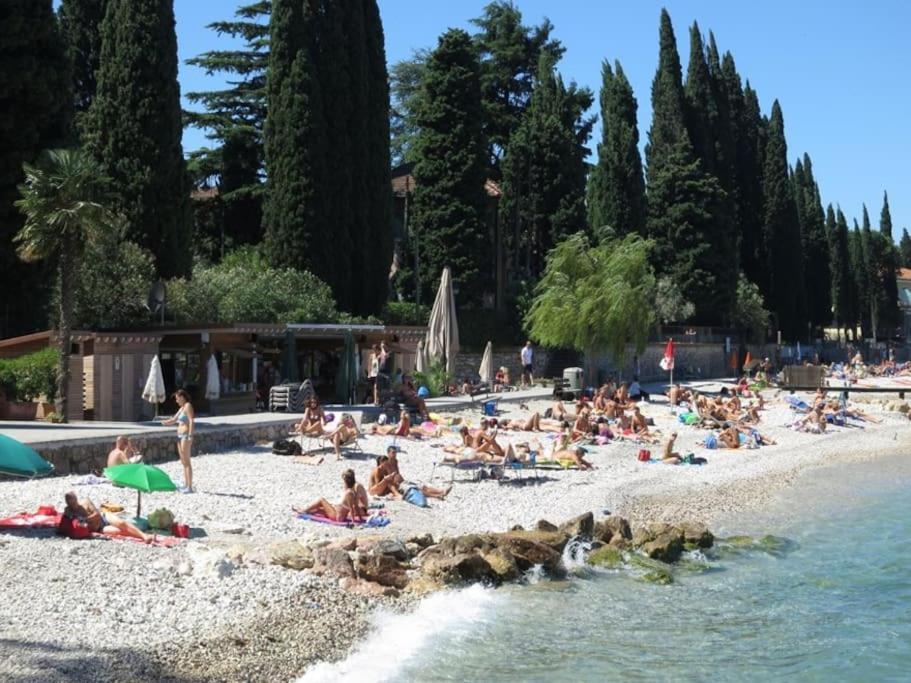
(63, 201)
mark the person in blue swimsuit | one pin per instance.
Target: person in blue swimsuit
(184, 419)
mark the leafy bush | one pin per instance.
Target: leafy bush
(750, 313)
(28, 377)
(244, 288)
(435, 379)
(405, 313)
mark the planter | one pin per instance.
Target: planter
(27, 410)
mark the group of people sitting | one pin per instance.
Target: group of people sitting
(314, 423)
(385, 480)
(824, 410)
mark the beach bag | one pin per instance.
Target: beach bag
(644, 455)
(415, 496)
(711, 442)
(162, 518)
(73, 528)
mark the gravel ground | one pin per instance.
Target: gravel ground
(94, 610)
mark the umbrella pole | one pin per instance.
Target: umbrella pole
(138, 503)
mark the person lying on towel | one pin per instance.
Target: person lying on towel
(98, 522)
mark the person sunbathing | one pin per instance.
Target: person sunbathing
(670, 456)
(98, 522)
(410, 398)
(313, 422)
(638, 423)
(573, 456)
(673, 394)
(753, 433)
(582, 426)
(814, 422)
(601, 400)
(730, 437)
(345, 433)
(387, 480)
(750, 415)
(622, 395)
(559, 412)
(123, 452)
(351, 506)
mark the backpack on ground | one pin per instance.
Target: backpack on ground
(286, 447)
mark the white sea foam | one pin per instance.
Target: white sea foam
(396, 638)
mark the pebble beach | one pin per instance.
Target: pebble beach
(112, 610)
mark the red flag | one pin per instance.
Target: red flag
(667, 363)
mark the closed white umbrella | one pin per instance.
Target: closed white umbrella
(486, 369)
(154, 391)
(213, 382)
(420, 358)
(443, 328)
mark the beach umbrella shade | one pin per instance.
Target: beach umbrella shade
(154, 391)
(442, 342)
(19, 460)
(289, 358)
(420, 359)
(213, 382)
(142, 477)
(486, 369)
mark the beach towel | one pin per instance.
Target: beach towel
(160, 541)
(711, 441)
(92, 480)
(373, 521)
(797, 403)
(32, 520)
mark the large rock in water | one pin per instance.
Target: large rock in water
(613, 528)
(502, 564)
(697, 534)
(666, 547)
(455, 569)
(583, 526)
(606, 556)
(555, 540)
(529, 552)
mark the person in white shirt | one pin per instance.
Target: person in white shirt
(527, 357)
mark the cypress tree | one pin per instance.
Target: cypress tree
(293, 212)
(682, 198)
(134, 128)
(905, 249)
(341, 83)
(750, 148)
(35, 114)
(839, 266)
(815, 245)
(379, 194)
(863, 303)
(544, 175)
(449, 170)
(701, 110)
(890, 314)
(80, 24)
(781, 232)
(616, 189)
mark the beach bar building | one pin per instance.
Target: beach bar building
(108, 369)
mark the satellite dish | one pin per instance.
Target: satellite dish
(156, 297)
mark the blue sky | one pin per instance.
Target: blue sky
(839, 69)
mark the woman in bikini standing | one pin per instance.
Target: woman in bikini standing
(184, 419)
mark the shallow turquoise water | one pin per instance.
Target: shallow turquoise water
(836, 606)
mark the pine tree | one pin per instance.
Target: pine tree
(134, 128)
(815, 245)
(80, 25)
(544, 175)
(233, 119)
(616, 188)
(449, 171)
(375, 288)
(905, 249)
(294, 216)
(781, 232)
(35, 114)
(682, 198)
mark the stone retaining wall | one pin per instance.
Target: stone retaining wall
(85, 455)
(468, 363)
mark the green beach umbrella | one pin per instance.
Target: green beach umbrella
(289, 358)
(140, 477)
(18, 460)
(347, 371)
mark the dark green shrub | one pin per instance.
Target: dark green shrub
(27, 377)
(405, 313)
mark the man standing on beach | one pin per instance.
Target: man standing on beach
(526, 355)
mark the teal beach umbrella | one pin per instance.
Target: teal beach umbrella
(18, 460)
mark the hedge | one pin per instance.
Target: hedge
(28, 377)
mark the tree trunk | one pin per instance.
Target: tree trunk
(66, 268)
